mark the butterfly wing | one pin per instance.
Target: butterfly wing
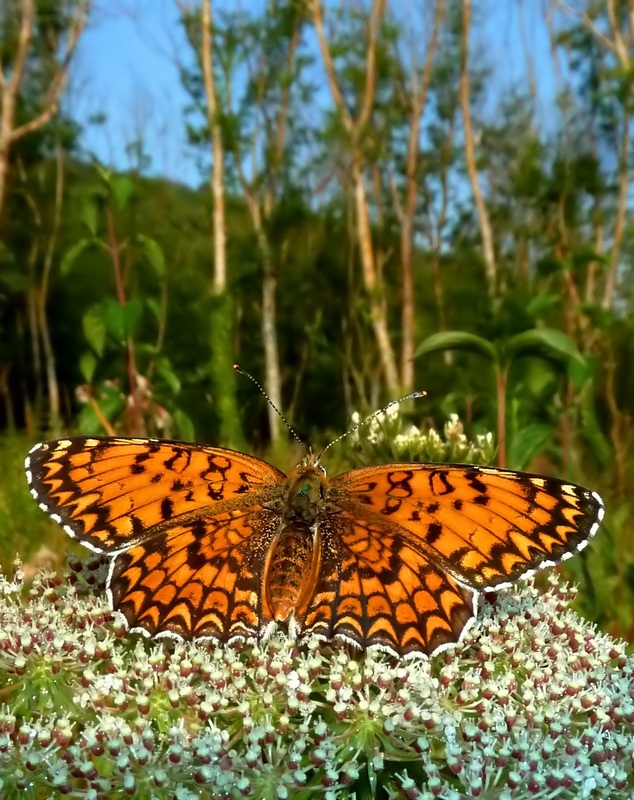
(487, 527)
(200, 579)
(377, 590)
(111, 493)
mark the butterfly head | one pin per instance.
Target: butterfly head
(311, 461)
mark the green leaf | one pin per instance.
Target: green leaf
(153, 252)
(599, 317)
(539, 378)
(549, 265)
(14, 280)
(87, 365)
(457, 340)
(542, 303)
(94, 327)
(131, 314)
(165, 371)
(184, 426)
(580, 372)
(121, 319)
(114, 321)
(599, 446)
(104, 173)
(539, 341)
(528, 443)
(121, 187)
(71, 255)
(111, 403)
(584, 257)
(149, 351)
(620, 516)
(155, 307)
(90, 215)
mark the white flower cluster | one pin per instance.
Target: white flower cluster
(387, 436)
(534, 703)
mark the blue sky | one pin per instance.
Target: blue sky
(126, 69)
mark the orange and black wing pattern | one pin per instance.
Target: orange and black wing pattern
(197, 580)
(485, 526)
(111, 493)
(399, 553)
(378, 589)
(184, 527)
(412, 545)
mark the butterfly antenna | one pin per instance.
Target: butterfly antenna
(356, 427)
(248, 375)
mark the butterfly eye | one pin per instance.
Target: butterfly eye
(323, 469)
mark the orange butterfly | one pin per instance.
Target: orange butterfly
(210, 543)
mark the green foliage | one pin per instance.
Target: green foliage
(123, 332)
(547, 341)
(529, 442)
(223, 376)
(24, 528)
(527, 439)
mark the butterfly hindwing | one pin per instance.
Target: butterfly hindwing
(375, 590)
(197, 580)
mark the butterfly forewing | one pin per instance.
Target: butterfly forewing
(110, 493)
(488, 527)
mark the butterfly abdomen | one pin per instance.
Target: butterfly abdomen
(292, 568)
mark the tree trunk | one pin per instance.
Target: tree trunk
(408, 316)
(486, 232)
(368, 267)
(223, 376)
(54, 418)
(356, 128)
(621, 213)
(269, 336)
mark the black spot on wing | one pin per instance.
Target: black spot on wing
(167, 508)
(434, 531)
(138, 528)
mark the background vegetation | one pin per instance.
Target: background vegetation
(369, 220)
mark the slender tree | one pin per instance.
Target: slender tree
(259, 127)
(201, 31)
(40, 46)
(407, 207)
(486, 231)
(356, 127)
(611, 25)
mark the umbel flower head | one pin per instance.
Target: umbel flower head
(534, 703)
(387, 437)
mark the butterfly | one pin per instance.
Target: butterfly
(209, 543)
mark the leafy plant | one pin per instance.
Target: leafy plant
(539, 342)
(120, 327)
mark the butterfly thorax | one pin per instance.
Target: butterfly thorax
(294, 556)
(304, 494)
